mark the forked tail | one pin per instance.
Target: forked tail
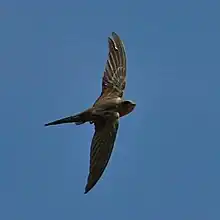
(77, 119)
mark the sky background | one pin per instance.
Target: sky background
(166, 160)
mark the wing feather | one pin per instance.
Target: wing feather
(101, 149)
(114, 78)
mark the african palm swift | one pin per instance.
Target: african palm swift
(106, 111)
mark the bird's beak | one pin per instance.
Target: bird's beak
(133, 106)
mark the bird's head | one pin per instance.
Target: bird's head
(127, 106)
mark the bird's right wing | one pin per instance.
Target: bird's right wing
(101, 149)
(114, 78)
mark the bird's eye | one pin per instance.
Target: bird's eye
(126, 103)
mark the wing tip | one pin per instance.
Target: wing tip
(114, 34)
(117, 41)
(87, 189)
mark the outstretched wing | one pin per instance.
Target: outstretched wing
(114, 78)
(101, 149)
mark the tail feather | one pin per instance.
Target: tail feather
(77, 119)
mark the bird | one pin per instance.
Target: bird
(105, 113)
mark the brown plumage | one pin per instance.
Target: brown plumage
(106, 111)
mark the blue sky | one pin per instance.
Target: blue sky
(165, 165)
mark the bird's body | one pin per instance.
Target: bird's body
(105, 112)
(99, 111)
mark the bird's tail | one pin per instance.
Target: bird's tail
(77, 119)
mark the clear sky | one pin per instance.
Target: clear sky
(166, 160)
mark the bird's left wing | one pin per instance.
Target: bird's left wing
(101, 149)
(114, 78)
